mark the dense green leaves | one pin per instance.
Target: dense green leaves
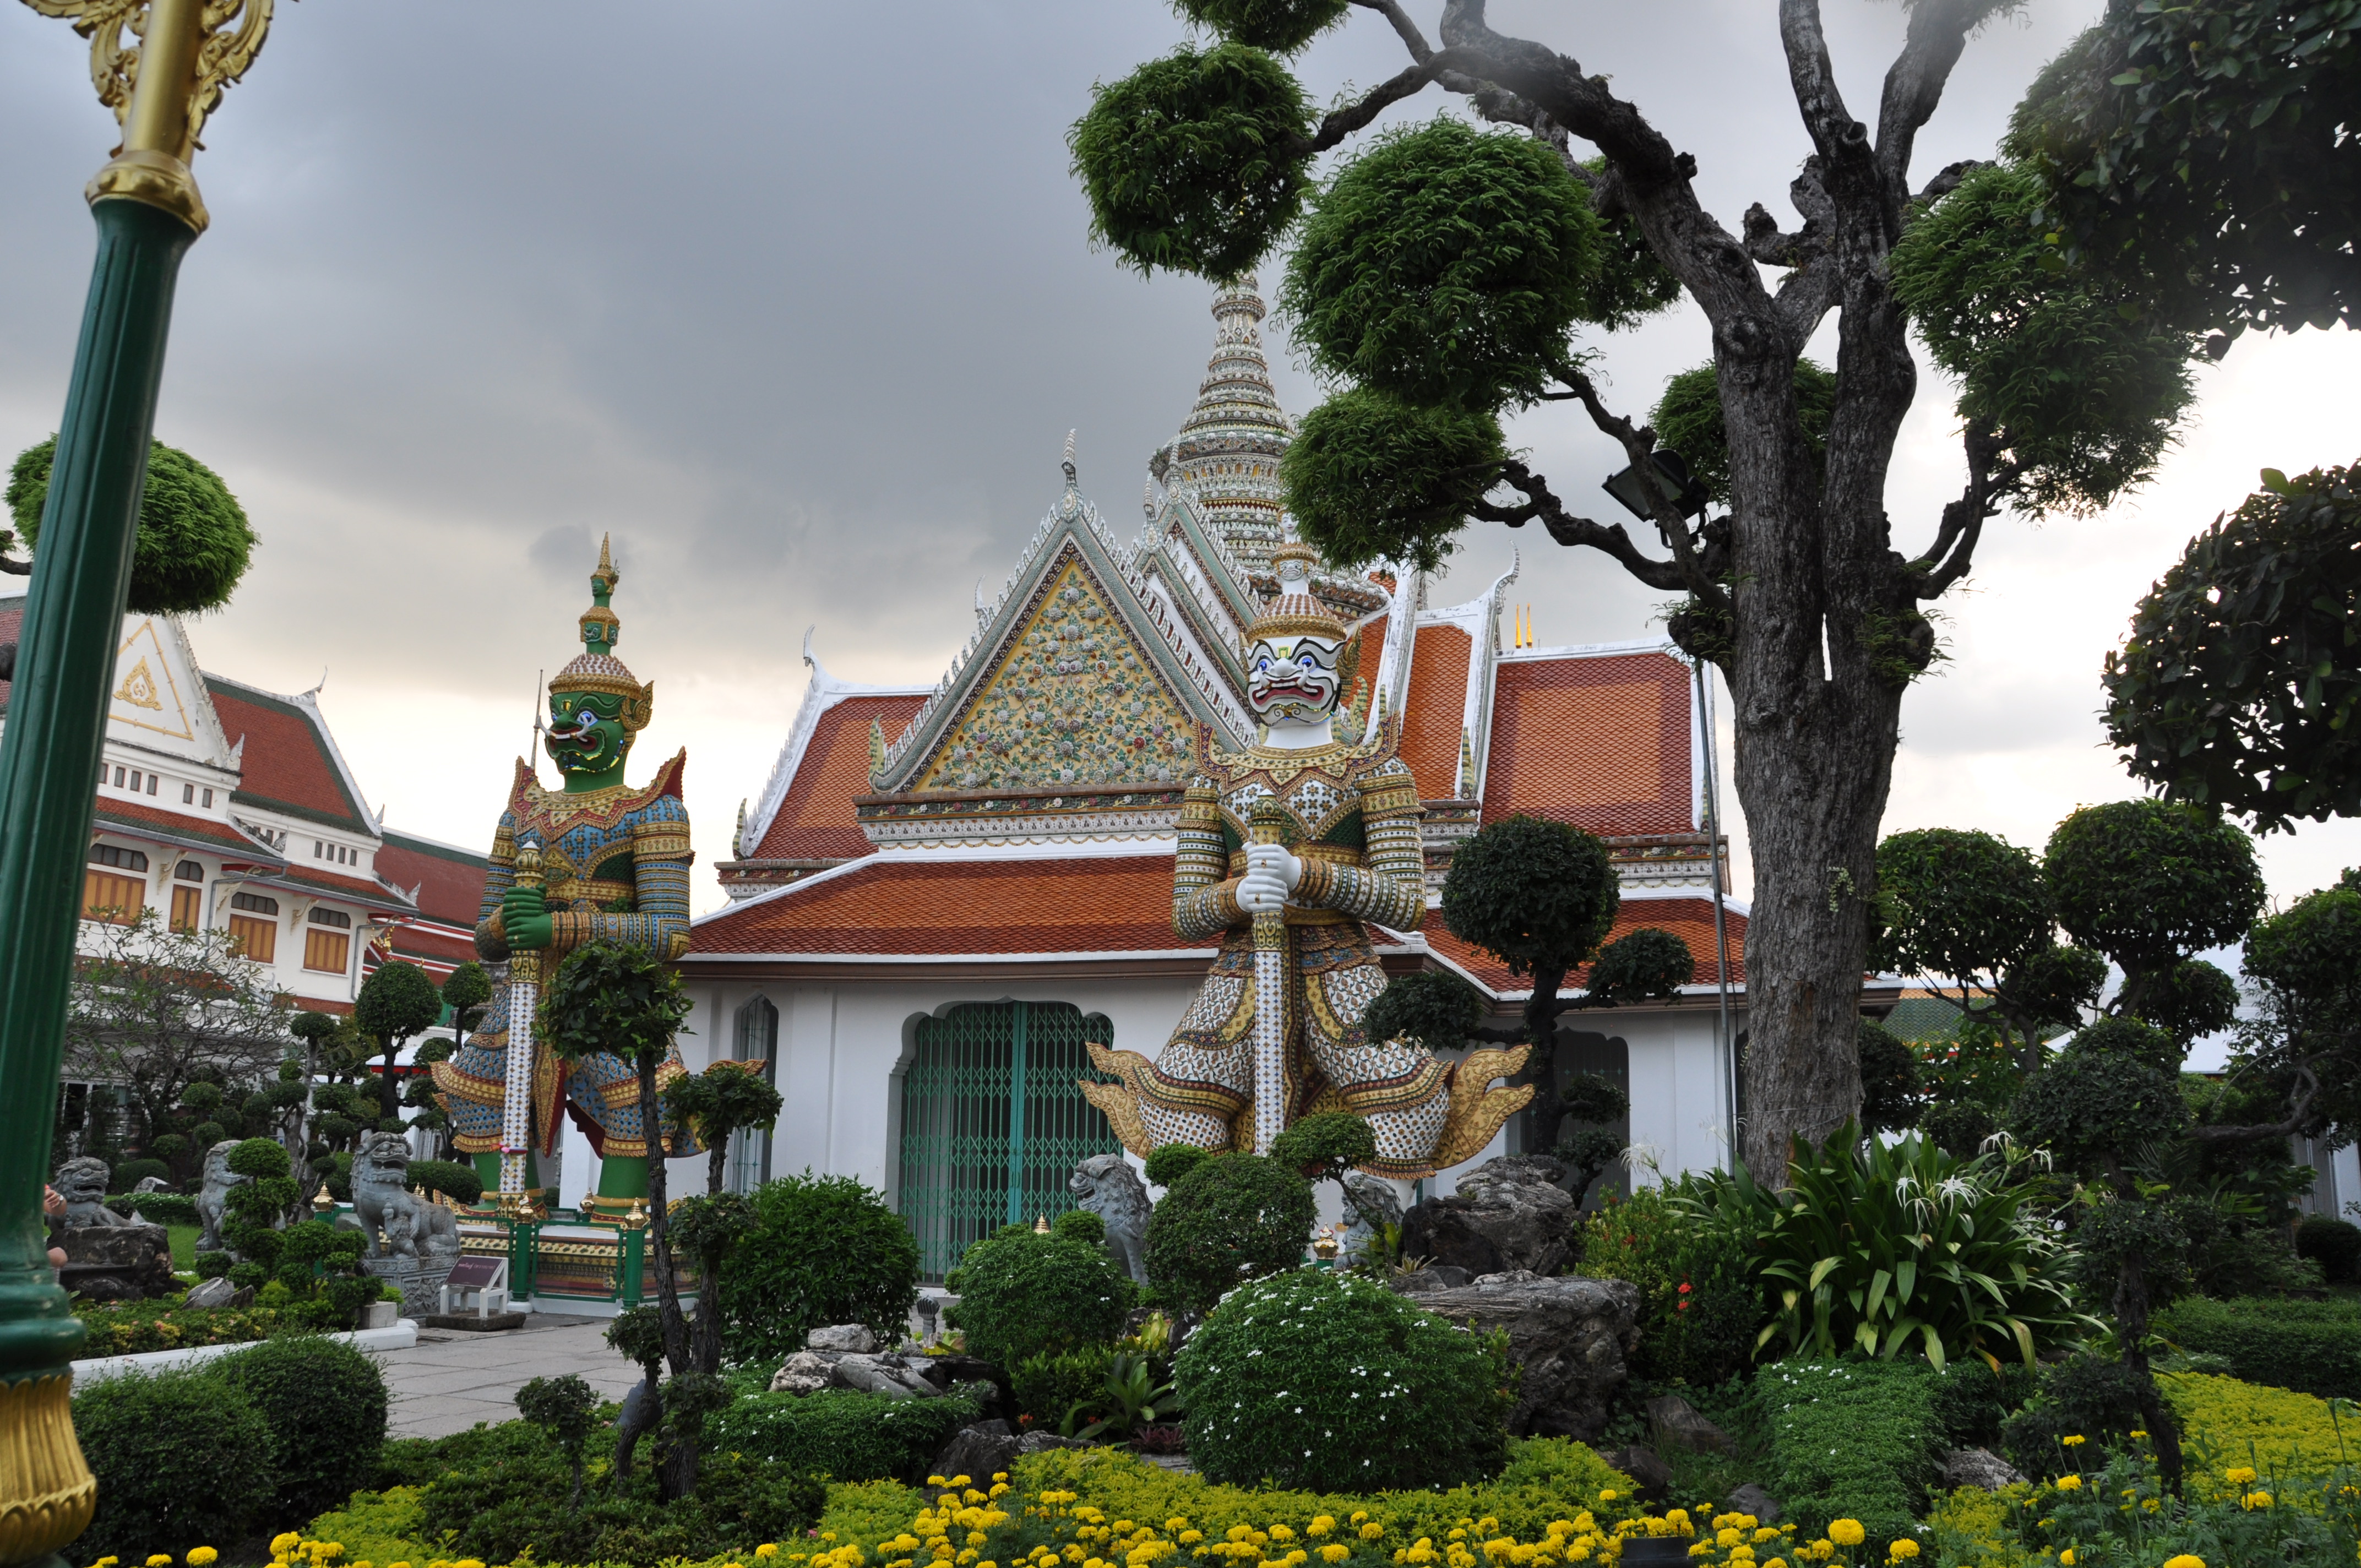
(2147, 882)
(726, 1098)
(1370, 477)
(194, 541)
(1434, 1007)
(1444, 265)
(1891, 1096)
(613, 996)
(1534, 894)
(2113, 1095)
(2080, 388)
(1894, 1249)
(1226, 1219)
(2202, 154)
(2239, 686)
(1647, 965)
(821, 1250)
(1958, 904)
(1022, 1295)
(1280, 26)
(1196, 162)
(2307, 959)
(1688, 420)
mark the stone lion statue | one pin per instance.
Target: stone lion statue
(381, 1198)
(212, 1198)
(82, 1184)
(1107, 1186)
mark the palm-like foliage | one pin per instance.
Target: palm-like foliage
(1882, 1247)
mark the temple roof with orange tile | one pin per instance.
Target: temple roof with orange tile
(133, 819)
(449, 879)
(938, 907)
(1434, 712)
(288, 764)
(1602, 742)
(816, 821)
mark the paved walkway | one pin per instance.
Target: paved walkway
(451, 1379)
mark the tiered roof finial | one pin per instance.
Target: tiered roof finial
(1229, 448)
(1071, 479)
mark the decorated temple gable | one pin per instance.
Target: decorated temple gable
(1075, 699)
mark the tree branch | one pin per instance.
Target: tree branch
(1840, 139)
(2306, 1080)
(1412, 39)
(1914, 86)
(1342, 123)
(1569, 530)
(1953, 553)
(1639, 444)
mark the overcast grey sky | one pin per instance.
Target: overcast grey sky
(796, 300)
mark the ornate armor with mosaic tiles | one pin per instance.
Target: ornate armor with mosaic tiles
(1348, 816)
(614, 863)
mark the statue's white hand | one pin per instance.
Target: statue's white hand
(1271, 874)
(1275, 859)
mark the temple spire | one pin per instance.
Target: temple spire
(1229, 448)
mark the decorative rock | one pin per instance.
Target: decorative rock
(978, 1453)
(1108, 1187)
(1678, 1419)
(1509, 1214)
(1038, 1442)
(209, 1293)
(852, 1337)
(82, 1184)
(803, 1373)
(118, 1262)
(1978, 1467)
(1567, 1336)
(1752, 1499)
(1375, 1204)
(153, 1184)
(883, 1375)
(1437, 1276)
(1651, 1474)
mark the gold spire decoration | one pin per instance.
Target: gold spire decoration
(595, 668)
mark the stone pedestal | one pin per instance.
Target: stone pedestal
(420, 1283)
(117, 1263)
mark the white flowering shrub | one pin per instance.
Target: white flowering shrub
(1332, 1382)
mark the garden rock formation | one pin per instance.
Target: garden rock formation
(1978, 1467)
(1651, 1476)
(1568, 1338)
(1679, 1420)
(1509, 1214)
(1374, 1205)
(979, 1453)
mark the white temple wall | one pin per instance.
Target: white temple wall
(1680, 1105)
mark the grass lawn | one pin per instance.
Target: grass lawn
(185, 1249)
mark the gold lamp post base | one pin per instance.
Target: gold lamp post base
(47, 1492)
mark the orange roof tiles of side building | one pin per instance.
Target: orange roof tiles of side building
(1435, 711)
(922, 908)
(450, 881)
(130, 817)
(286, 763)
(1600, 742)
(1690, 919)
(816, 821)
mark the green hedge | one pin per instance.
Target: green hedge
(2313, 1347)
(1865, 1439)
(842, 1435)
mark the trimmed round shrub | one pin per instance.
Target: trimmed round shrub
(2333, 1243)
(194, 541)
(1168, 1163)
(843, 1435)
(1230, 1219)
(132, 1172)
(1021, 1294)
(1048, 1387)
(1280, 26)
(447, 1176)
(821, 1250)
(135, 1433)
(325, 1403)
(1079, 1225)
(1329, 1380)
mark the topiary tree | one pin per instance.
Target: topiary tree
(133, 1432)
(619, 997)
(2236, 689)
(194, 541)
(1689, 421)
(565, 1407)
(466, 989)
(1324, 1147)
(727, 1098)
(821, 1250)
(254, 1210)
(1540, 896)
(1968, 914)
(708, 1228)
(1168, 1163)
(637, 1334)
(1891, 1098)
(1322, 1380)
(2305, 1047)
(397, 1001)
(2148, 883)
(1442, 278)
(1434, 1007)
(1232, 1218)
(1023, 1294)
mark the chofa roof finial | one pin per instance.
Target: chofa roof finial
(1068, 464)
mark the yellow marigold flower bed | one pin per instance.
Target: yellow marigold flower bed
(2241, 1428)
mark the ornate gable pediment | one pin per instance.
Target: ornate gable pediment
(1079, 673)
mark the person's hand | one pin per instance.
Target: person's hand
(54, 1202)
(524, 917)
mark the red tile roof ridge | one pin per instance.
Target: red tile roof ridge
(358, 889)
(306, 706)
(823, 691)
(1742, 908)
(224, 834)
(1594, 649)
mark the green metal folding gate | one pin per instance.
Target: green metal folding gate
(993, 1123)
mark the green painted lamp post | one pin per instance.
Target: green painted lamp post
(181, 54)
